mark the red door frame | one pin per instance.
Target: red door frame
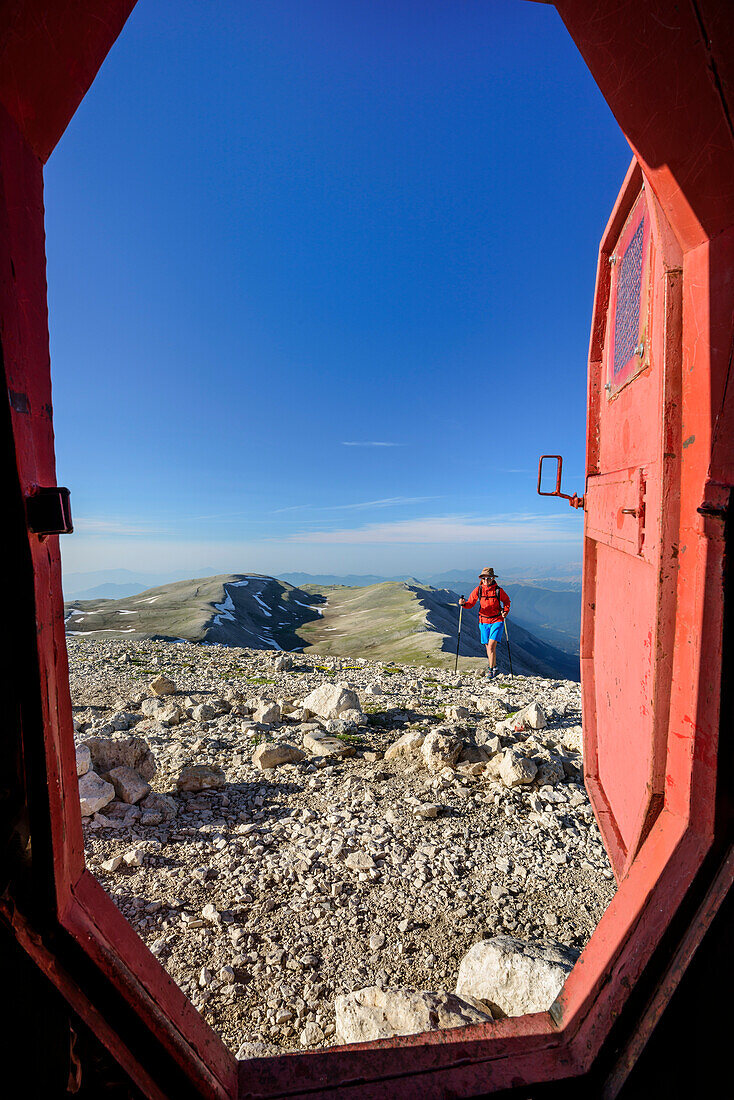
(676, 115)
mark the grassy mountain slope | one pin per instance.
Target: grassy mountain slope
(417, 625)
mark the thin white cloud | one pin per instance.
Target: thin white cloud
(93, 525)
(385, 502)
(372, 443)
(529, 528)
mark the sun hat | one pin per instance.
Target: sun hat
(487, 572)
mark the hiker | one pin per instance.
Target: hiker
(494, 606)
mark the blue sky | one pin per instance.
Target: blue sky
(320, 286)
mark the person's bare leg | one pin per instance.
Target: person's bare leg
(492, 654)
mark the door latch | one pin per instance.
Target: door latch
(575, 501)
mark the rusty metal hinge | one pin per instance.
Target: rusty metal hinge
(708, 508)
(716, 500)
(48, 511)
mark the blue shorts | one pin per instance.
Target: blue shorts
(490, 632)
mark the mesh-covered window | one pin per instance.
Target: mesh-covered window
(627, 313)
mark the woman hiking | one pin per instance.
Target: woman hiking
(494, 606)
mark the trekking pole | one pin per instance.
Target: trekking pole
(458, 638)
(509, 654)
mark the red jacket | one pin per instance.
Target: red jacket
(489, 604)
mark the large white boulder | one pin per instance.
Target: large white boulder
(375, 1013)
(126, 751)
(515, 977)
(331, 700)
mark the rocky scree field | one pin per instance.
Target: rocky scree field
(321, 850)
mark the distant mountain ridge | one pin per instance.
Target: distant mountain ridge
(392, 621)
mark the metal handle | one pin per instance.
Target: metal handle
(575, 501)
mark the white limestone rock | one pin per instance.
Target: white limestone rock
(162, 686)
(129, 787)
(517, 770)
(360, 861)
(457, 713)
(267, 713)
(94, 793)
(322, 744)
(201, 777)
(376, 1013)
(202, 712)
(573, 740)
(83, 759)
(373, 690)
(331, 700)
(440, 750)
(408, 745)
(515, 977)
(270, 756)
(532, 716)
(121, 751)
(550, 772)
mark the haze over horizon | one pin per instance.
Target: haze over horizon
(320, 285)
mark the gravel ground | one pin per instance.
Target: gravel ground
(268, 897)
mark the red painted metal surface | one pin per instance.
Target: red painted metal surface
(660, 463)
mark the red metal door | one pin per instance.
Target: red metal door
(631, 517)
